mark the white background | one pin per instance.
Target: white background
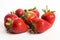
(9, 5)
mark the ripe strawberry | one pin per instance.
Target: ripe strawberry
(49, 16)
(39, 26)
(8, 18)
(19, 12)
(29, 16)
(18, 26)
(42, 25)
(35, 11)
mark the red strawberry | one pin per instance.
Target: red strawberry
(8, 19)
(42, 25)
(18, 26)
(35, 11)
(39, 26)
(49, 16)
(19, 12)
(29, 16)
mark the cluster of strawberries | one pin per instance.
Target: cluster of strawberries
(28, 20)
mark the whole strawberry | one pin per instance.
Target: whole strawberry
(42, 25)
(14, 24)
(39, 26)
(8, 18)
(18, 26)
(19, 12)
(48, 16)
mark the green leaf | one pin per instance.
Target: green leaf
(44, 11)
(8, 29)
(48, 11)
(8, 24)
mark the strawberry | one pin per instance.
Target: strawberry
(39, 26)
(19, 12)
(18, 26)
(29, 16)
(48, 16)
(14, 24)
(42, 25)
(35, 11)
(8, 18)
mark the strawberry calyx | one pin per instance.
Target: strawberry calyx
(47, 10)
(27, 13)
(9, 23)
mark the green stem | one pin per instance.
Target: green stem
(46, 8)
